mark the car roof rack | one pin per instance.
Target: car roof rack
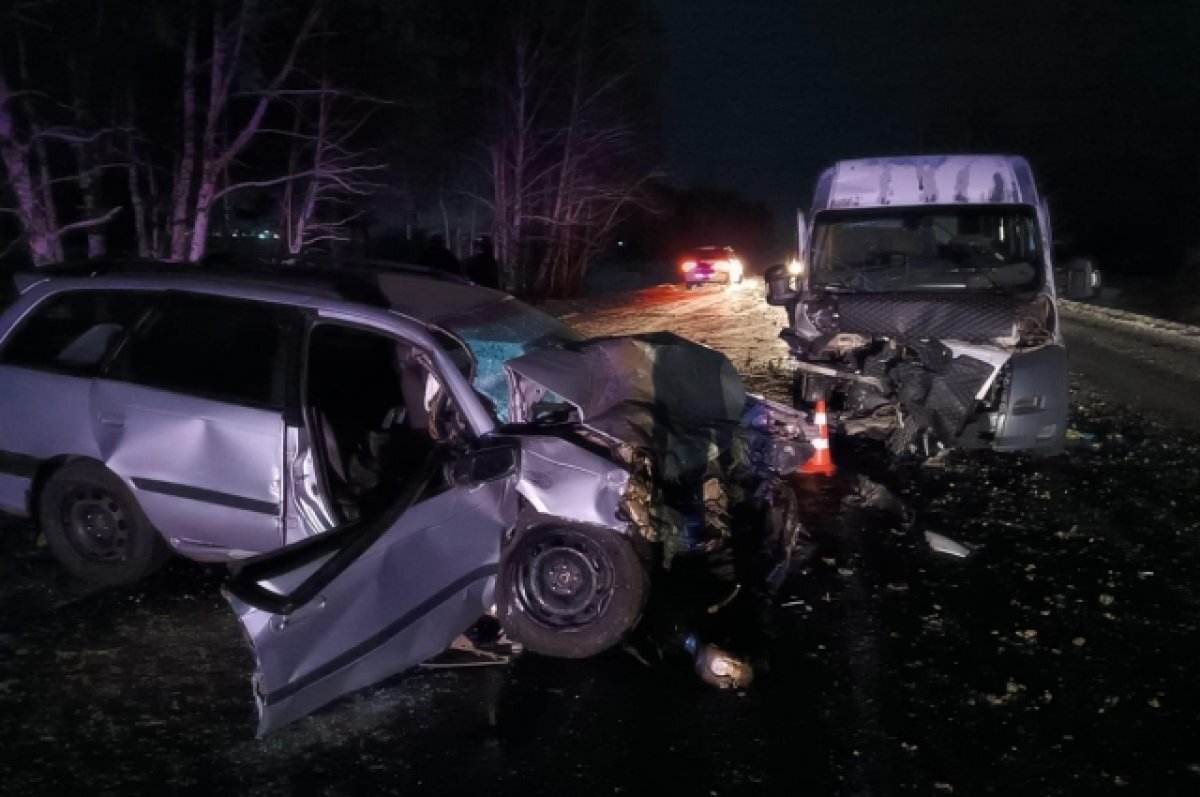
(353, 279)
(323, 262)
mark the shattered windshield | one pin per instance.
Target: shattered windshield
(496, 333)
(956, 247)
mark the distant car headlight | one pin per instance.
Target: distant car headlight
(796, 267)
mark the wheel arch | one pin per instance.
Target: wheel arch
(42, 475)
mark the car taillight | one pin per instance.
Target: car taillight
(688, 265)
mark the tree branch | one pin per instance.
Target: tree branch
(86, 223)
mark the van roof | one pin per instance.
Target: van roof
(926, 180)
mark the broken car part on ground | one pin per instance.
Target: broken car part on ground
(923, 304)
(383, 457)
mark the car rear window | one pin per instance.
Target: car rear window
(72, 331)
(211, 347)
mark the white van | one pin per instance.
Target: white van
(922, 304)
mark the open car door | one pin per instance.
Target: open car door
(347, 608)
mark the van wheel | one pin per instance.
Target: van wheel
(95, 527)
(570, 591)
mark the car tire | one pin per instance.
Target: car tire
(570, 591)
(95, 528)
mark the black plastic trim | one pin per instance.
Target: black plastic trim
(21, 465)
(206, 496)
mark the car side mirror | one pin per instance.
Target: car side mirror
(482, 465)
(1080, 279)
(781, 289)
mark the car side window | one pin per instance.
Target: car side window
(73, 331)
(211, 347)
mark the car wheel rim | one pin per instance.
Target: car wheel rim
(565, 581)
(96, 524)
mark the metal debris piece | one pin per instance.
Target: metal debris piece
(463, 652)
(943, 544)
(718, 667)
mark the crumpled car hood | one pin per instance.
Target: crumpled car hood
(681, 378)
(697, 443)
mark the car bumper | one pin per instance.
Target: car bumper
(694, 278)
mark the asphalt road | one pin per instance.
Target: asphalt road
(1152, 373)
(1056, 660)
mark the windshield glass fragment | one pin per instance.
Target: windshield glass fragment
(496, 333)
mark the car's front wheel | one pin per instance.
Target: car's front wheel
(570, 591)
(95, 528)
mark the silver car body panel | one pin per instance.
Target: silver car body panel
(425, 581)
(42, 415)
(208, 474)
(560, 478)
(308, 511)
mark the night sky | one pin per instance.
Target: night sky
(759, 95)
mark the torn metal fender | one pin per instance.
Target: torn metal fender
(560, 478)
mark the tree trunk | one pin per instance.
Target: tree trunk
(182, 192)
(145, 249)
(40, 239)
(202, 214)
(142, 223)
(85, 163)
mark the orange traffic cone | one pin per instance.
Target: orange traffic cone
(820, 462)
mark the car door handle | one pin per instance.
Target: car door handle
(112, 419)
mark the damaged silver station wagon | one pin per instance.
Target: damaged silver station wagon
(923, 304)
(383, 456)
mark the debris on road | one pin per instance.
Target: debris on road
(943, 544)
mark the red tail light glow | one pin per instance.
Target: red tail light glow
(688, 265)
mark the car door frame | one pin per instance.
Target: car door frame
(297, 605)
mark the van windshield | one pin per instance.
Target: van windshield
(937, 247)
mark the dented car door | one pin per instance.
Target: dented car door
(345, 609)
(191, 413)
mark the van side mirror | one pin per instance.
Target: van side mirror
(1079, 279)
(781, 290)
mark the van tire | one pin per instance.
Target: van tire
(570, 591)
(95, 528)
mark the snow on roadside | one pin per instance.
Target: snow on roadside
(1154, 330)
(735, 320)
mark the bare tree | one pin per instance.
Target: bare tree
(48, 145)
(206, 151)
(38, 229)
(25, 136)
(329, 176)
(565, 160)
